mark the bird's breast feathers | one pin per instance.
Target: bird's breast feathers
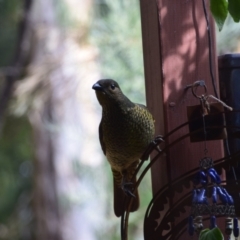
(126, 134)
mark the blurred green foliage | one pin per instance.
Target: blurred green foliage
(10, 14)
(16, 154)
(116, 31)
(16, 157)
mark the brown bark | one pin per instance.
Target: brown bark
(14, 71)
(45, 189)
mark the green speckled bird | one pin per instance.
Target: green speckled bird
(125, 131)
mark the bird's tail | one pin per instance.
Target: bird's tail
(121, 199)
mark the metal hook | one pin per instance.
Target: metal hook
(195, 85)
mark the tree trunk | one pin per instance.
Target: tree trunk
(63, 137)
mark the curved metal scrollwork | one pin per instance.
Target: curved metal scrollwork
(165, 220)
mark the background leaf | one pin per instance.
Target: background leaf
(219, 9)
(213, 234)
(234, 9)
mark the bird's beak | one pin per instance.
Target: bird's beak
(97, 87)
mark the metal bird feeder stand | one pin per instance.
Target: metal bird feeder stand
(202, 196)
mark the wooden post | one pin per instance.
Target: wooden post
(175, 47)
(175, 50)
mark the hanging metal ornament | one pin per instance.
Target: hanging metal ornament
(209, 197)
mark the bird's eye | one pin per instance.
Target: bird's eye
(112, 86)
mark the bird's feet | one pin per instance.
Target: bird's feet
(127, 188)
(153, 145)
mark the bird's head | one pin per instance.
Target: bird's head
(109, 93)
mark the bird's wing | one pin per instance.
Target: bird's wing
(144, 107)
(100, 131)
